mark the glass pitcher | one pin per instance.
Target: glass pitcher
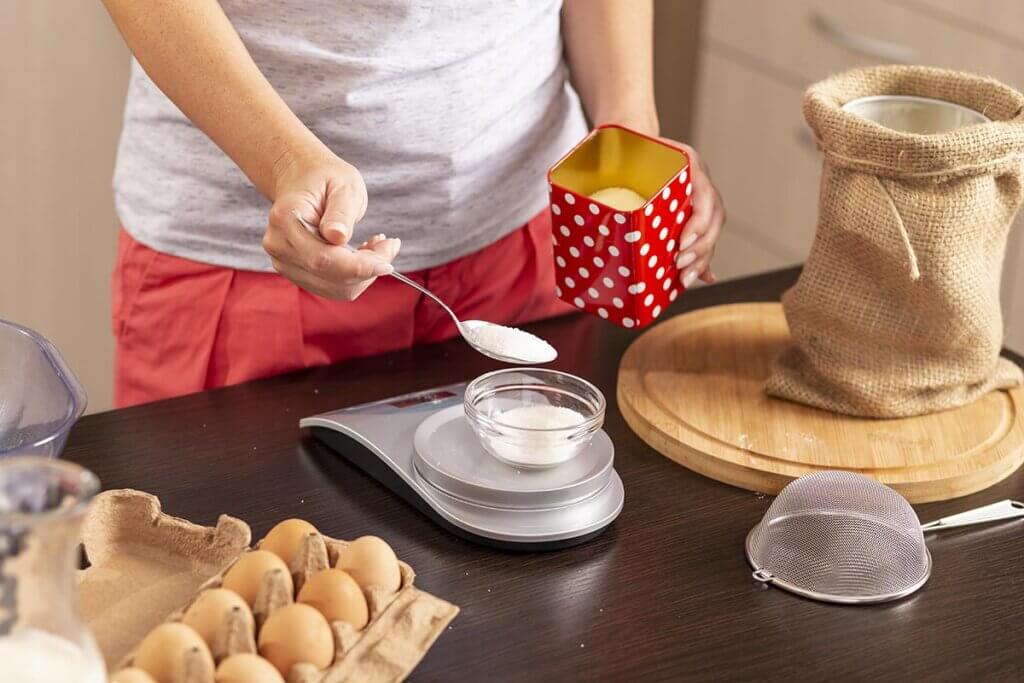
(42, 636)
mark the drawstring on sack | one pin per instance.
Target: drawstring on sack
(915, 271)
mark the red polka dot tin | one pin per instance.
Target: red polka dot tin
(619, 264)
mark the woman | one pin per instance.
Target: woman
(430, 122)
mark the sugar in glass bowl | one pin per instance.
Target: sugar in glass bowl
(531, 418)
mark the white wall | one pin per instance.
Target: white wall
(63, 70)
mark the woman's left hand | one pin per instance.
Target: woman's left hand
(699, 236)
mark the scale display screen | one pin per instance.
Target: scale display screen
(420, 399)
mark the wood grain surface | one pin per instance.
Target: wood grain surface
(692, 388)
(664, 595)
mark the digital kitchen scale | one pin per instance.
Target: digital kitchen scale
(422, 447)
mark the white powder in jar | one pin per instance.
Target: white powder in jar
(510, 342)
(538, 449)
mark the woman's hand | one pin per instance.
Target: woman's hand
(330, 193)
(697, 241)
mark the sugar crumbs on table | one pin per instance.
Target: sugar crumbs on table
(511, 342)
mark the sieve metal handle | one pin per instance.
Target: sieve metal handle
(1004, 509)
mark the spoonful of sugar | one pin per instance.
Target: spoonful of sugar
(505, 344)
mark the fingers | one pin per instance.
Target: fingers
(697, 243)
(344, 206)
(693, 262)
(327, 270)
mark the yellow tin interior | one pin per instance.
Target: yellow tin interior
(616, 157)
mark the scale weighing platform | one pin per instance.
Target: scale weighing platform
(422, 447)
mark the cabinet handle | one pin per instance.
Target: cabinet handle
(868, 46)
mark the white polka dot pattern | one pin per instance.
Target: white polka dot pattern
(613, 264)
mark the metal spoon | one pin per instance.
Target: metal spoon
(465, 327)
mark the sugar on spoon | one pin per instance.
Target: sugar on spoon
(505, 344)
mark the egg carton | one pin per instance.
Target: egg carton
(175, 560)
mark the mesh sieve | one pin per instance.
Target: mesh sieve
(840, 537)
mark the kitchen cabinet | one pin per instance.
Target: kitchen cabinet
(756, 58)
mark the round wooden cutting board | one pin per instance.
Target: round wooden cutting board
(692, 389)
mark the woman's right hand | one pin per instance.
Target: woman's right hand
(330, 193)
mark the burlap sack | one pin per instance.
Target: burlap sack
(897, 310)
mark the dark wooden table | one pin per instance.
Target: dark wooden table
(664, 594)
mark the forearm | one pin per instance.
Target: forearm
(194, 55)
(609, 46)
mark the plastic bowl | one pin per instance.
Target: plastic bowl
(40, 398)
(541, 432)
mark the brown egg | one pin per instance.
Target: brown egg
(337, 596)
(372, 563)
(245, 575)
(285, 538)
(296, 633)
(131, 675)
(247, 668)
(207, 614)
(162, 652)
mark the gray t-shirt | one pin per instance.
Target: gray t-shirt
(451, 109)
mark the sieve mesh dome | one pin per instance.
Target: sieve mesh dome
(841, 537)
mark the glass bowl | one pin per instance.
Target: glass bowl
(40, 398)
(532, 418)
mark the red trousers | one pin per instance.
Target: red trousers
(183, 326)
